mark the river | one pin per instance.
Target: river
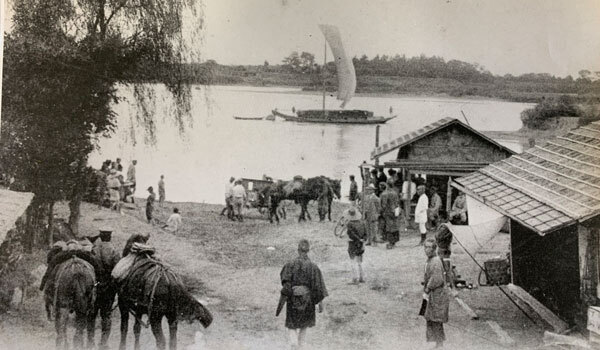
(198, 162)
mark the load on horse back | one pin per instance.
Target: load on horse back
(72, 290)
(302, 191)
(148, 286)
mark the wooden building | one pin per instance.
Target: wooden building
(551, 193)
(441, 151)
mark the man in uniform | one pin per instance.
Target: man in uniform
(303, 289)
(105, 295)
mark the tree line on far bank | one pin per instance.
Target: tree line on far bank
(395, 75)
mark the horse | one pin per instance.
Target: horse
(73, 290)
(153, 289)
(310, 189)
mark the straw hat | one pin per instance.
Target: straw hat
(352, 214)
(371, 187)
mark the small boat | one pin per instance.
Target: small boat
(346, 76)
(247, 118)
(333, 117)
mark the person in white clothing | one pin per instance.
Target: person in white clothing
(239, 199)
(421, 212)
(174, 221)
(228, 200)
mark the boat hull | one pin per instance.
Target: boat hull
(337, 120)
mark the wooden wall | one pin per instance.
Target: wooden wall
(453, 144)
(547, 267)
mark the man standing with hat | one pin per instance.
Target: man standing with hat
(372, 212)
(357, 235)
(108, 257)
(421, 212)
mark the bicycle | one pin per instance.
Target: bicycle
(340, 227)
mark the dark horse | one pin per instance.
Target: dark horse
(72, 290)
(153, 289)
(308, 190)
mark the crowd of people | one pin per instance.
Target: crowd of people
(383, 211)
(235, 199)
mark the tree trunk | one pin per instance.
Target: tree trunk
(75, 213)
(49, 238)
(35, 229)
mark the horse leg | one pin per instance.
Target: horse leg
(155, 324)
(60, 332)
(306, 210)
(80, 325)
(172, 332)
(329, 210)
(137, 328)
(124, 325)
(106, 321)
(91, 327)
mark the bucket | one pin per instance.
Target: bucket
(497, 272)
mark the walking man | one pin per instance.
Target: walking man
(390, 206)
(131, 178)
(239, 199)
(228, 199)
(303, 289)
(372, 213)
(357, 235)
(436, 292)
(108, 257)
(353, 196)
(150, 205)
(421, 212)
(161, 190)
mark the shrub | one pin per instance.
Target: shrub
(545, 112)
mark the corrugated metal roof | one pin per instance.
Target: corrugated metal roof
(424, 131)
(12, 206)
(558, 182)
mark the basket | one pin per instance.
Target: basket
(497, 271)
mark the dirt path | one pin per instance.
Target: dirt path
(229, 265)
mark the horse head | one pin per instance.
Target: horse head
(196, 311)
(337, 187)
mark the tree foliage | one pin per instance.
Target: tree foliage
(63, 63)
(300, 63)
(545, 113)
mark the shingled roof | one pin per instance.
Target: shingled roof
(424, 131)
(546, 187)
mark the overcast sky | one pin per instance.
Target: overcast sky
(559, 37)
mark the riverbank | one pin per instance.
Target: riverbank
(234, 267)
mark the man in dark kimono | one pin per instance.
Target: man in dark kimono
(437, 294)
(390, 202)
(105, 293)
(303, 289)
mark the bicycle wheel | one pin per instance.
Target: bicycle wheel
(340, 227)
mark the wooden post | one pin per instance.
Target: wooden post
(2, 14)
(377, 143)
(324, 73)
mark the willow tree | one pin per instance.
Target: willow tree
(64, 62)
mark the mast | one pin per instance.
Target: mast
(324, 72)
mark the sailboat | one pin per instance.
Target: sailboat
(346, 87)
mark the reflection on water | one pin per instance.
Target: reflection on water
(197, 164)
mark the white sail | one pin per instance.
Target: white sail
(345, 69)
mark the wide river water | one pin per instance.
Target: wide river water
(198, 162)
